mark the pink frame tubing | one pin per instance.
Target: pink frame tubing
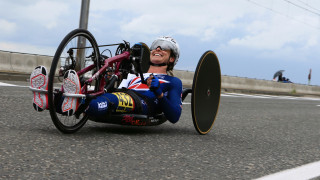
(107, 63)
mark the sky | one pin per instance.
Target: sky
(252, 38)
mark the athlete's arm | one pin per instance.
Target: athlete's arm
(171, 104)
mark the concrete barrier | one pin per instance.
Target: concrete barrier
(24, 63)
(21, 62)
(44, 61)
(230, 83)
(21, 65)
(5, 61)
(185, 76)
(18, 66)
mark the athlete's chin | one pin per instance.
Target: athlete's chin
(155, 61)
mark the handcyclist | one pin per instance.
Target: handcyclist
(161, 94)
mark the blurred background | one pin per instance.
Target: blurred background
(252, 38)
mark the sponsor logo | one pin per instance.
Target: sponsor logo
(102, 105)
(127, 119)
(154, 120)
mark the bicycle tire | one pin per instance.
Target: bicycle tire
(205, 97)
(70, 124)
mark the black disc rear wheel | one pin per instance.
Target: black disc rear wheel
(206, 90)
(78, 46)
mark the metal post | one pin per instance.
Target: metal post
(83, 24)
(84, 14)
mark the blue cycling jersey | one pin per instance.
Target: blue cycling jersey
(170, 104)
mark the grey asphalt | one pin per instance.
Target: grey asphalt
(252, 137)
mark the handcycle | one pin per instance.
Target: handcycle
(103, 73)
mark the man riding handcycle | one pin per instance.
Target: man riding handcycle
(150, 100)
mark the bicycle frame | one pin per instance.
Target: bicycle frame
(107, 63)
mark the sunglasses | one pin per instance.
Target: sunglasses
(163, 45)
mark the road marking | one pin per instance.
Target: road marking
(318, 105)
(269, 96)
(186, 103)
(10, 85)
(307, 171)
(6, 84)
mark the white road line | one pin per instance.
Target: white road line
(186, 103)
(12, 85)
(269, 96)
(307, 171)
(318, 105)
(6, 84)
(254, 96)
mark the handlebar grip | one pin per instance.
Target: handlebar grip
(137, 53)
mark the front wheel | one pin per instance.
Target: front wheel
(77, 50)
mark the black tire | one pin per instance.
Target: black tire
(206, 89)
(70, 124)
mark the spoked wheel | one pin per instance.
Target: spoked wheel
(78, 46)
(206, 90)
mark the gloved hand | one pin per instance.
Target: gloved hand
(155, 86)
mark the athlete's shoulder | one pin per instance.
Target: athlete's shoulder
(174, 80)
(171, 80)
(165, 76)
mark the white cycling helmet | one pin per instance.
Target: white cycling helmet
(167, 43)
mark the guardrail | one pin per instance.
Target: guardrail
(18, 66)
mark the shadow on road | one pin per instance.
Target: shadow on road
(109, 129)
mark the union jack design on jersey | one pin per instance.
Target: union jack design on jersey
(138, 86)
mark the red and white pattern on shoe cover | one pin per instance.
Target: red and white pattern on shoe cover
(71, 85)
(39, 80)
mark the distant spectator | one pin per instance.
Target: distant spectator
(280, 79)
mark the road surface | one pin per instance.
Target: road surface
(253, 136)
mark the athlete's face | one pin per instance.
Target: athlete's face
(158, 56)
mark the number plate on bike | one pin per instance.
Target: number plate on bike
(125, 103)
